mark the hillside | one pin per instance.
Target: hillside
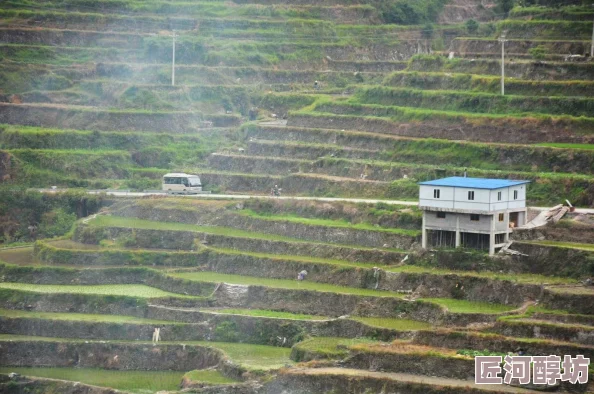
(327, 98)
(88, 101)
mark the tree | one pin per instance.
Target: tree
(538, 53)
(56, 222)
(428, 31)
(505, 5)
(471, 26)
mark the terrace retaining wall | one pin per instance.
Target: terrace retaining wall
(118, 356)
(461, 130)
(543, 330)
(498, 343)
(49, 116)
(418, 364)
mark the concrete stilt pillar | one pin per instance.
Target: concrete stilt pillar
(458, 237)
(424, 233)
(507, 229)
(492, 237)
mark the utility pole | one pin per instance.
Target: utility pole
(592, 45)
(502, 40)
(173, 61)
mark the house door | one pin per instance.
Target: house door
(513, 219)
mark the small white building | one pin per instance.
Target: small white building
(471, 212)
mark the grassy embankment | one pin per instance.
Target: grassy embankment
(140, 291)
(259, 357)
(136, 382)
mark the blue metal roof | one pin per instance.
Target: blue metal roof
(474, 183)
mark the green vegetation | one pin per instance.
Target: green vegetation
(280, 283)
(87, 317)
(97, 75)
(396, 114)
(570, 245)
(538, 52)
(394, 324)
(472, 102)
(471, 26)
(407, 13)
(329, 347)
(505, 6)
(22, 255)
(463, 306)
(52, 214)
(328, 223)
(140, 291)
(487, 84)
(380, 214)
(115, 221)
(453, 305)
(253, 356)
(209, 376)
(137, 382)
(264, 313)
(520, 278)
(567, 145)
(475, 353)
(56, 223)
(571, 12)
(202, 9)
(437, 63)
(284, 257)
(546, 28)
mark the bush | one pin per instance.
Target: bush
(428, 31)
(410, 13)
(538, 53)
(55, 223)
(471, 26)
(226, 332)
(51, 213)
(505, 6)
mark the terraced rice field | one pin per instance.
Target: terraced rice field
(15, 313)
(140, 291)
(278, 283)
(337, 98)
(129, 381)
(262, 313)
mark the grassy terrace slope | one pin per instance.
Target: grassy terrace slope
(381, 321)
(130, 381)
(255, 356)
(106, 67)
(114, 290)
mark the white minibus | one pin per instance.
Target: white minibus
(182, 183)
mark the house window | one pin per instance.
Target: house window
(471, 195)
(515, 194)
(498, 196)
(499, 239)
(475, 218)
(441, 215)
(435, 193)
(501, 217)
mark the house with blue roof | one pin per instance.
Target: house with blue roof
(471, 212)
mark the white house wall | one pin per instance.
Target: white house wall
(452, 219)
(446, 199)
(521, 201)
(484, 199)
(480, 202)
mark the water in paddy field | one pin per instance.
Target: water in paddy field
(131, 381)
